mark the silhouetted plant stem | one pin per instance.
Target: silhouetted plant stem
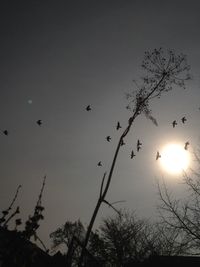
(104, 192)
(11, 216)
(164, 74)
(7, 211)
(32, 224)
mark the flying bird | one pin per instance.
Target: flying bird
(5, 132)
(174, 123)
(39, 122)
(132, 154)
(158, 155)
(88, 108)
(118, 126)
(108, 138)
(186, 145)
(99, 163)
(183, 119)
(138, 145)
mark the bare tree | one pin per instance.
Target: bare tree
(121, 240)
(67, 235)
(167, 241)
(183, 215)
(164, 69)
(125, 239)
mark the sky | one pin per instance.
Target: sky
(57, 57)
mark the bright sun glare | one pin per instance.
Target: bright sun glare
(174, 158)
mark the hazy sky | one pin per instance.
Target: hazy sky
(57, 57)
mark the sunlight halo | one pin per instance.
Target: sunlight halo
(174, 158)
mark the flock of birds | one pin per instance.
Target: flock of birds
(118, 126)
(174, 123)
(139, 144)
(5, 132)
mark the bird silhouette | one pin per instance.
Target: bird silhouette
(174, 123)
(158, 155)
(138, 145)
(108, 138)
(118, 126)
(39, 122)
(5, 132)
(88, 108)
(122, 143)
(183, 119)
(99, 163)
(132, 154)
(186, 145)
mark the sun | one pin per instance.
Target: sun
(174, 158)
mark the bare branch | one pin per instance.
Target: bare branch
(102, 183)
(119, 201)
(110, 205)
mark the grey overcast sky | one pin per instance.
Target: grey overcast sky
(57, 57)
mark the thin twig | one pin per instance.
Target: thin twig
(110, 205)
